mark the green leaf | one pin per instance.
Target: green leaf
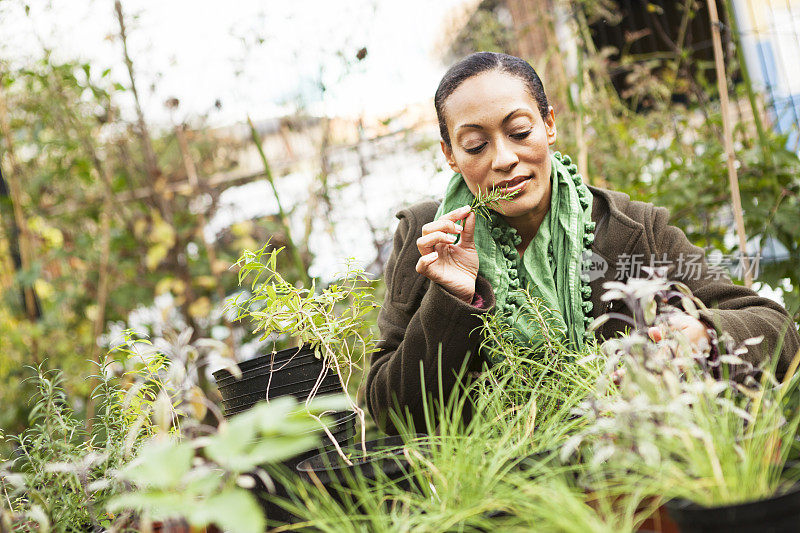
(267, 450)
(329, 402)
(162, 464)
(232, 510)
(159, 505)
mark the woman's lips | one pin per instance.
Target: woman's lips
(512, 185)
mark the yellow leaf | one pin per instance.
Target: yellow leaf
(164, 285)
(178, 286)
(206, 282)
(43, 289)
(155, 255)
(242, 229)
(161, 232)
(139, 227)
(220, 265)
(197, 402)
(200, 307)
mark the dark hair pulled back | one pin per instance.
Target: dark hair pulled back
(480, 62)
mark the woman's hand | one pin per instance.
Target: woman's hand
(453, 266)
(694, 330)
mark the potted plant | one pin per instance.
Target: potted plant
(714, 446)
(330, 326)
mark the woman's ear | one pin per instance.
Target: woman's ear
(448, 154)
(550, 125)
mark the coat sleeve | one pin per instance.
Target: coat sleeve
(417, 320)
(734, 309)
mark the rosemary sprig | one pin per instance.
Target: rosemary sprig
(480, 205)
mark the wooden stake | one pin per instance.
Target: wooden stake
(102, 302)
(733, 179)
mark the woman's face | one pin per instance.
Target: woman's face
(499, 139)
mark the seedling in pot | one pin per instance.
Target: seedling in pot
(332, 321)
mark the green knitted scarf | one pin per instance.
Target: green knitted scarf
(545, 288)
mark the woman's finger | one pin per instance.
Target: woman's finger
(456, 214)
(442, 224)
(425, 262)
(655, 334)
(427, 243)
(468, 234)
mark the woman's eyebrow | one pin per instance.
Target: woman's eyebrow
(506, 119)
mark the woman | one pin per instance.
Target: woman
(497, 130)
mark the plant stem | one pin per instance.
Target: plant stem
(24, 240)
(298, 260)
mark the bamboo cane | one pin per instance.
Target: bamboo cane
(722, 84)
(147, 144)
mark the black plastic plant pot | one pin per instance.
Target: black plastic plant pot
(385, 458)
(291, 372)
(342, 429)
(246, 401)
(778, 514)
(302, 364)
(252, 380)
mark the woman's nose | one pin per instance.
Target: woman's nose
(504, 158)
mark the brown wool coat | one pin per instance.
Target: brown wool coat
(418, 316)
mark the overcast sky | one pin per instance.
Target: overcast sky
(254, 56)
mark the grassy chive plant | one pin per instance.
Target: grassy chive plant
(496, 470)
(490, 459)
(333, 321)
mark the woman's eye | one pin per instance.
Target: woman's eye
(475, 150)
(521, 135)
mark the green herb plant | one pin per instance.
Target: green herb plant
(60, 478)
(67, 475)
(332, 321)
(496, 469)
(682, 420)
(205, 479)
(483, 201)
